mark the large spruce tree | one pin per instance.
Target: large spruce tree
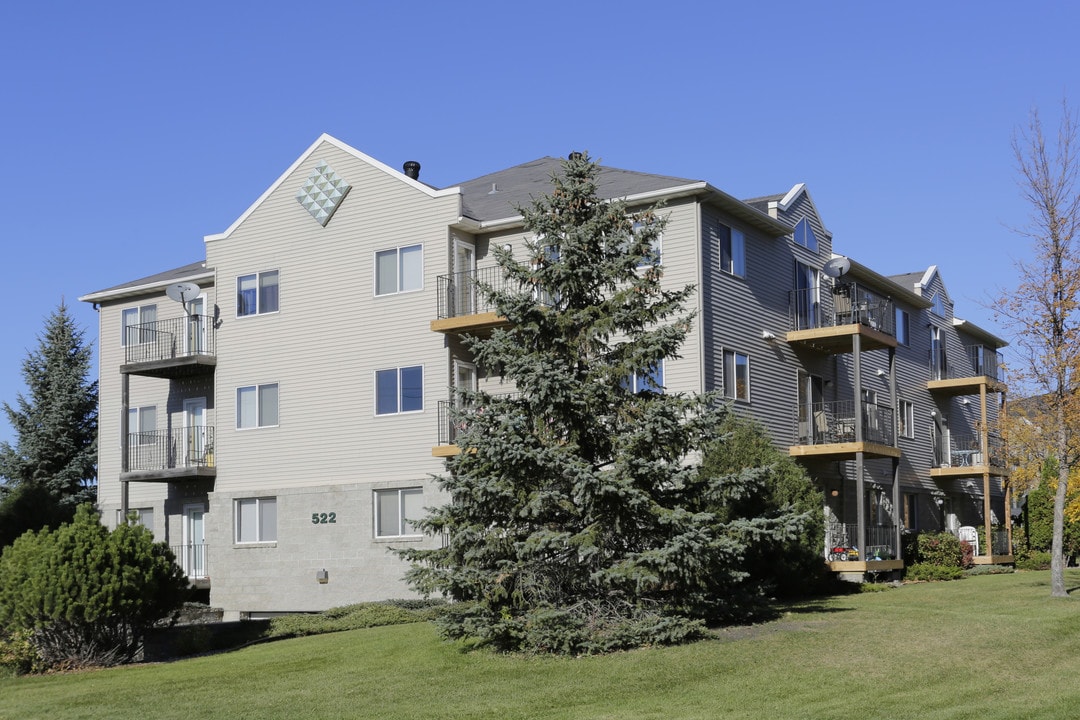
(579, 520)
(51, 467)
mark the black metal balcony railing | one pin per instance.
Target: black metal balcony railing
(834, 422)
(851, 304)
(450, 427)
(967, 451)
(182, 447)
(979, 361)
(880, 541)
(192, 559)
(460, 293)
(170, 339)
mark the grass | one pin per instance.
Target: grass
(993, 646)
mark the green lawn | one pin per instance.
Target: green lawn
(994, 646)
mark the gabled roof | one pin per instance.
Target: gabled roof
(493, 199)
(328, 139)
(192, 272)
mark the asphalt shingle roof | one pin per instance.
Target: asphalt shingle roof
(498, 195)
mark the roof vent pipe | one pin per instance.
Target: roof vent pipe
(412, 169)
(574, 156)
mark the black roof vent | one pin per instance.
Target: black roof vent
(412, 169)
(574, 156)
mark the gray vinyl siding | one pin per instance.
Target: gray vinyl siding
(736, 310)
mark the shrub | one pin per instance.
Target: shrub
(87, 595)
(930, 573)
(18, 656)
(1037, 560)
(939, 549)
(989, 570)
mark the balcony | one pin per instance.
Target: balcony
(878, 551)
(173, 348)
(962, 456)
(448, 430)
(462, 306)
(184, 453)
(192, 559)
(980, 367)
(838, 430)
(831, 327)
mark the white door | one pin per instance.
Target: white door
(193, 554)
(197, 449)
(465, 278)
(464, 379)
(196, 331)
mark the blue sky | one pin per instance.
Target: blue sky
(133, 129)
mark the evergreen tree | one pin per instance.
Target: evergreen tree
(87, 594)
(578, 521)
(51, 468)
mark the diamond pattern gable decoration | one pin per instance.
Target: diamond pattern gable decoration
(322, 192)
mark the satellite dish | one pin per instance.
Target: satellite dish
(836, 267)
(182, 292)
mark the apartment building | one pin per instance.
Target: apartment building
(276, 412)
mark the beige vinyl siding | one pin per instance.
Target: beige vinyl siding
(143, 391)
(331, 334)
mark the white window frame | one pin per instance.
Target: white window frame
(731, 380)
(403, 525)
(805, 236)
(258, 388)
(937, 305)
(146, 517)
(652, 380)
(906, 414)
(655, 256)
(733, 252)
(398, 390)
(139, 311)
(399, 270)
(135, 424)
(903, 327)
(259, 310)
(260, 532)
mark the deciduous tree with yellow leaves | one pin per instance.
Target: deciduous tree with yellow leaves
(1043, 310)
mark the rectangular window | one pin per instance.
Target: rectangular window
(906, 418)
(654, 255)
(736, 375)
(651, 380)
(804, 235)
(396, 512)
(910, 511)
(257, 294)
(399, 390)
(142, 422)
(257, 406)
(256, 520)
(144, 516)
(732, 251)
(903, 327)
(137, 324)
(399, 270)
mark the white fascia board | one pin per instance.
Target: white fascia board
(792, 195)
(928, 276)
(972, 329)
(134, 290)
(331, 140)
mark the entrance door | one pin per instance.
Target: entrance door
(197, 449)
(464, 293)
(196, 332)
(807, 299)
(464, 379)
(193, 553)
(813, 422)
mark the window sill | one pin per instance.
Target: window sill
(398, 538)
(249, 545)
